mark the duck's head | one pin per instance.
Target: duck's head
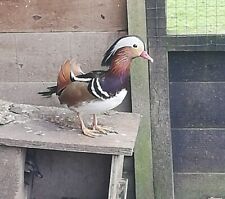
(130, 46)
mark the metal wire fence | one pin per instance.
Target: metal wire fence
(186, 22)
(185, 17)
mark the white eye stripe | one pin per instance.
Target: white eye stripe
(128, 41)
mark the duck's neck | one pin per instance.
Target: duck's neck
(117, 77)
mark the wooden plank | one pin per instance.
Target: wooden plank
(62, 15)
(58, 129)
(27, 93)
(198, 150)
(199, 185)
(122, 190)
(12, 172)
(141, 104)
(37, 57)
(196, 66)
(160, 118)
(159, 92)
(129, 174)
(194, 43)
(115, 176)
(197, 104)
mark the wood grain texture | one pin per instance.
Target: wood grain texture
(199, 185)
(160, 118)
(37, 127)
(115, 176)
(160, 113)
(34, 57)
(62, 15)
(197, 104)
(196, 66)
(194, 43)
(12, 172)
(123, 185)
(129, 174)
(141, 104)
(199, 150)
(27, 93)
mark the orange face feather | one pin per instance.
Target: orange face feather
(121, 62)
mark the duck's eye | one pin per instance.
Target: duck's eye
(135, 45)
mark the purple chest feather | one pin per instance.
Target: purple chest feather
(117, 77)
(112, 84)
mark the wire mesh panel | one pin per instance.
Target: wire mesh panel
(185, 17)
(187, 95)
(180, 24)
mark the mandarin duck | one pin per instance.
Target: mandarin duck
(98, 91)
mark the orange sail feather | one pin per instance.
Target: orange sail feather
(64, 74)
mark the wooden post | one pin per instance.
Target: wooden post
(122, 190)
(159, 91)
(141, 104)
(115, 176)
(12, 161)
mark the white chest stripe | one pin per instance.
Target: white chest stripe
(100, 89)
(96, 88)
(93, 90)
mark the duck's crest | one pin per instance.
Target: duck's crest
(127, 40)
(107, 59)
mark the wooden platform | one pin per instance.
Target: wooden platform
(57, 129)
(52, 128)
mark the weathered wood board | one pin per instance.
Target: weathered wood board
(32, 57)
(197, 104)
(37, 36)
(196, 66)
(115, 176)
(57, 129)
(159, 94)
(197, 120)
(198, 150)
(12, 172)
(199, 185)
(27, 93)
(196, 43)
(141, 104)
(62, 15)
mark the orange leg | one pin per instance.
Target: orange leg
(101, 129)
(85, 130)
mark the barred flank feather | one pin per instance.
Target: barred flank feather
(51, 90)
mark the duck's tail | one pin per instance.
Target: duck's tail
(63, 77)
(50, 92)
